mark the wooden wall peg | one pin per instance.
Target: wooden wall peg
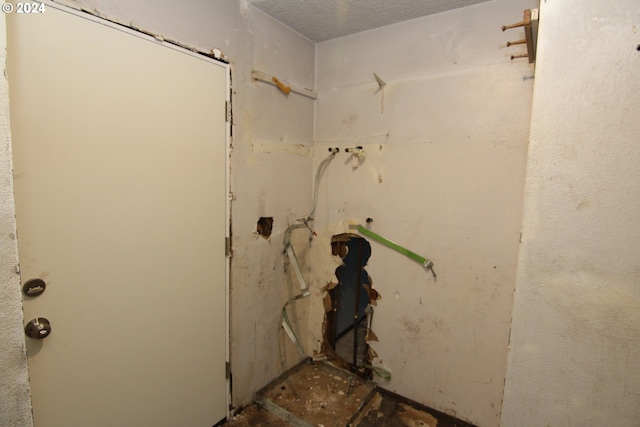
(523, 41)
(530, 24)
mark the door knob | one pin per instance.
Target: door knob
(38, 328)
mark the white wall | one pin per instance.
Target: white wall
(576, 322)
(271, 164)
(454, 142)
(443, 176)
(15, 405)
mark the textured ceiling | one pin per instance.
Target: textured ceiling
(321, 20)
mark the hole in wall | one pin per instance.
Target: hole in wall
(264, 226)
(348, 306)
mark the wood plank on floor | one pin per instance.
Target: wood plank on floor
(252, 415)
(391, 410)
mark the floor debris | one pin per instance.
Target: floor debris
(254, 416)
(318, 394)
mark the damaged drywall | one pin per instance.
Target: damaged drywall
(264, 226)
(348, 306)
(448, 183)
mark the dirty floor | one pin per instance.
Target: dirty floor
(318, 394)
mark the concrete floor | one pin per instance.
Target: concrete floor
(318, 394)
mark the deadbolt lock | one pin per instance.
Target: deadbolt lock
(34, 287)
(38, 328)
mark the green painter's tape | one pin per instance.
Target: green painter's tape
(396, 247)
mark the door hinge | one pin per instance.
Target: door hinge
(227, 111)
(227, 370)
(227, 246)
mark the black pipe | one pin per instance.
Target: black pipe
(356, 317)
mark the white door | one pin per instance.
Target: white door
(119, 149)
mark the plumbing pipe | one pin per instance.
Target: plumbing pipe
(286, 325)
(296, 269)
(321, 167)
(309, 217)
(288, 248)
(356, 316)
